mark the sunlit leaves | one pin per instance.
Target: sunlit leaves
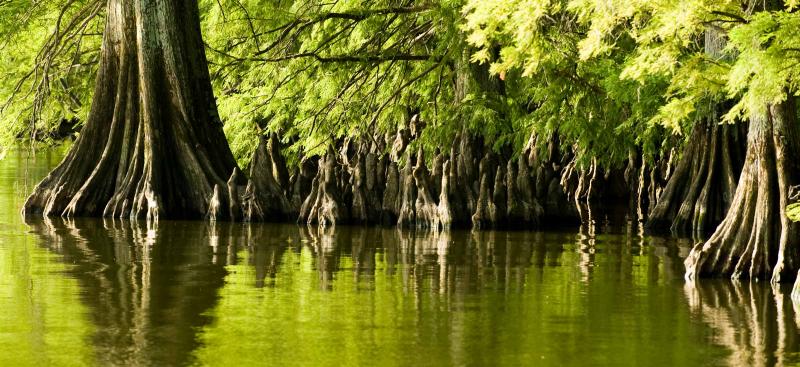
(42, 83)
(312, 101)
(768, 62)
(757, 66)
(793, 212)
(543, 48)
(604, 76)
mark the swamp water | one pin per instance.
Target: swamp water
(110, 292)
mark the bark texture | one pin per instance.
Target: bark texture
(756, 240)
(382, 180)
(265, 198)
(700, 191)
(326, 203)
(153, 144)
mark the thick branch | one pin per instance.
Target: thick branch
(333, 58)
(364, 14)
(350, 58)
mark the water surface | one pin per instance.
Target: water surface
(110, 292)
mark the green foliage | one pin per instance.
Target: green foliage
(793, 212)
(606, 78)
(584, 101)
(50, 51)
(757, 66)
(321, 71)
(579, 57)
(768, 64)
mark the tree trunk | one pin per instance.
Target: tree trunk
(153, 143)
(265, 199)
(756, 240)
(699, 193)
(326, 205)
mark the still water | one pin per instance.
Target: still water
(106, 292)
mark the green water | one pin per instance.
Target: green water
(104, 292)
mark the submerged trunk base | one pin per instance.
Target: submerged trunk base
(153, 144)
(756, 240)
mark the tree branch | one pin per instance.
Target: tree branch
(350, 58)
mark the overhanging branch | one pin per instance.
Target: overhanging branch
(350, 58)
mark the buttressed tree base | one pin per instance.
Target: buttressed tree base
(153, 144)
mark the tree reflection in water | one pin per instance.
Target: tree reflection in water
(756, 322)
(147, 289)
(152, 292)
(429, 259)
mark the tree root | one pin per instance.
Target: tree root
(756, 240)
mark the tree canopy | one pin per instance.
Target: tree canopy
(606, 78)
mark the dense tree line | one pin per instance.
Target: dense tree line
(483, 113)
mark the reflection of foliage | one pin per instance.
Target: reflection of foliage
(367, 296)
(42, 319)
